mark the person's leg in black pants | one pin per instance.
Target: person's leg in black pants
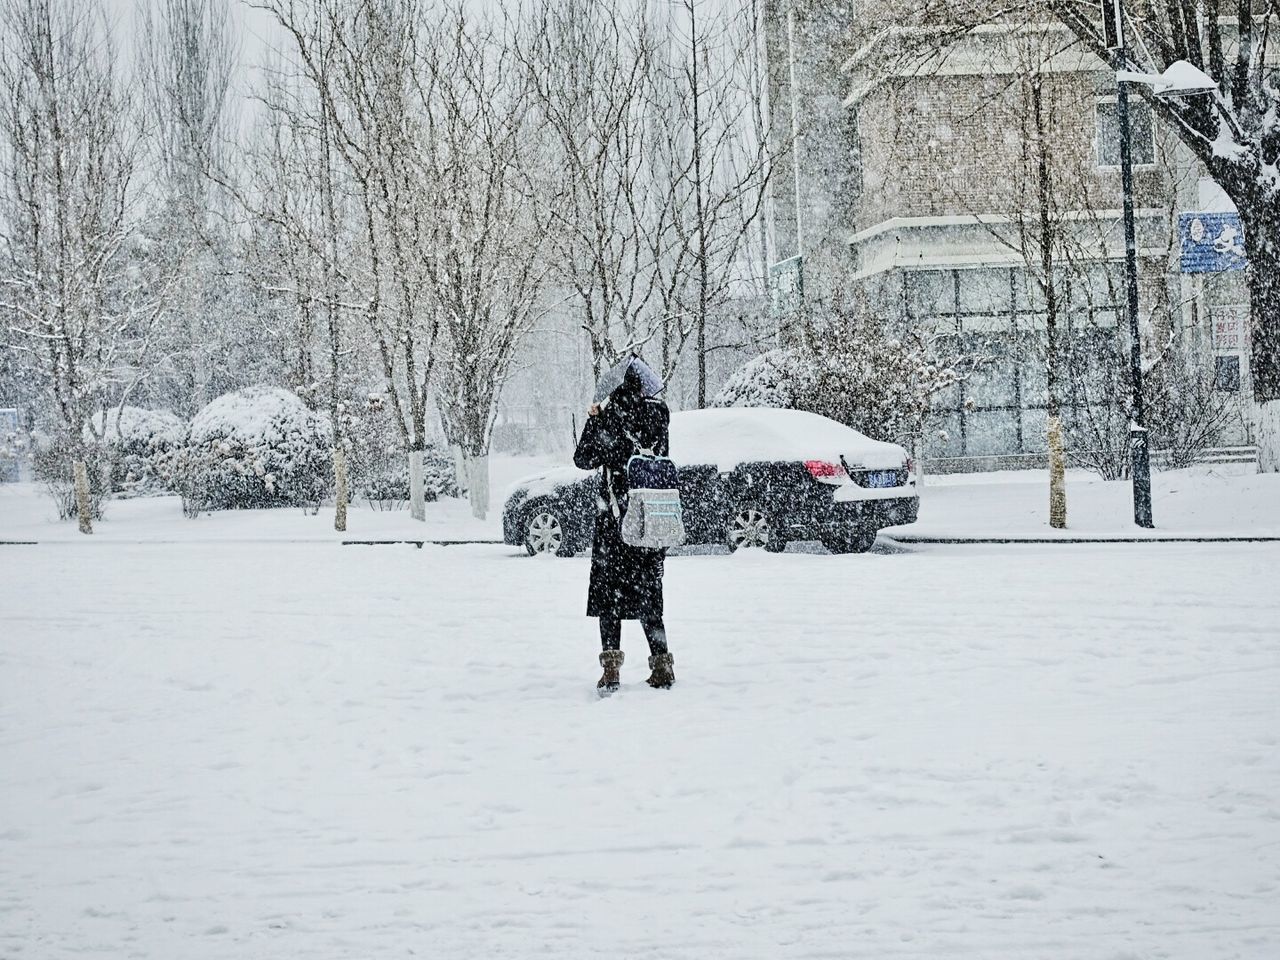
(654, 631)
(610, 633)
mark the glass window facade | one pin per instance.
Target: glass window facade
(1226, 374)
(997, 314)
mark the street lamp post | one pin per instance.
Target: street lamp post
(1180, 79)
(1113, 28)
(1138, 433)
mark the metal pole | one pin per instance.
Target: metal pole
(701, 210)
(1137, 424)
(795, 120)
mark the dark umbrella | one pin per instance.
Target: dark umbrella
(650, 383)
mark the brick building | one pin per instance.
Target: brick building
(917, 185)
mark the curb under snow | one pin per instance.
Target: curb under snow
(903, 540)
(1104, 538)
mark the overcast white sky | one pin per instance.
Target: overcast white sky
(257, 32)
(254, 28)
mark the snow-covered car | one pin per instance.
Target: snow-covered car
(748, 478)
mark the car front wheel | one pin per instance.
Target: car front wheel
(751, 527)
(855, 541)
(545, 534)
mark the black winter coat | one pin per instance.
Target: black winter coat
(626, 581)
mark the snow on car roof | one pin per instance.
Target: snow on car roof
(548, 482)
(729, 436)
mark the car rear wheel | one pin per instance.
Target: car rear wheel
(545, 534)
(751, 527)
(855, 541)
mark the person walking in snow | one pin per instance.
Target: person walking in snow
(626, 581)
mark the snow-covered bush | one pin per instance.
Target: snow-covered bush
(15, 447)
(136, 441)
(257, 447)
(1186, 413)
(53, 463)
(773, 379)
(848, 367)
(380, 467)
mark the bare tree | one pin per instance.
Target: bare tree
(721, 172)
(589, 63)
(1234, 133)
(661, 176)
(711, 172)
(283, 244)
(1186, 411)
(1049, 202)
(80, 299)
(330, 277)
(299, 237)
(378, 125)
(187, 57)
(1038, 140)
(483, 256)
(356, 59)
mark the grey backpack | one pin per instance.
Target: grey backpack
(655, 516)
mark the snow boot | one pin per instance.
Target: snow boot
(611, 660)
(664, 673)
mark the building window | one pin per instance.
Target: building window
(985, 291)
(993, 384)
(991, 433)
(944, 434)
(1141, 129)
(932, 293)
(1226, 374)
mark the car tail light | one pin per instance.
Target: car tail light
(911, 465)
(821, 470)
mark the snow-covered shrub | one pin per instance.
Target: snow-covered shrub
(380, 466)
(136, 441)
(257, 447)
(773, 379)
(184, 470)
(1185, 412)
(53, 463)
(15, 448)
(849, 367)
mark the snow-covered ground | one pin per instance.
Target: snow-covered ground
(237, 751)
(27, 513)
(1212, 500)
(1221, 500)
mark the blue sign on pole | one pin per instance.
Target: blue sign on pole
(1211, 242)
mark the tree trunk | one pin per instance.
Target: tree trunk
(1057, 476)
(1266, 425)
(417, 498)
(478, 485)
(1057, 461)
(340, 487)
(84, 508)
(107, 467)
(701, 212)
(459, 467)
(1262, 243)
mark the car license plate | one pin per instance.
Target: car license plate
(882, 478)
